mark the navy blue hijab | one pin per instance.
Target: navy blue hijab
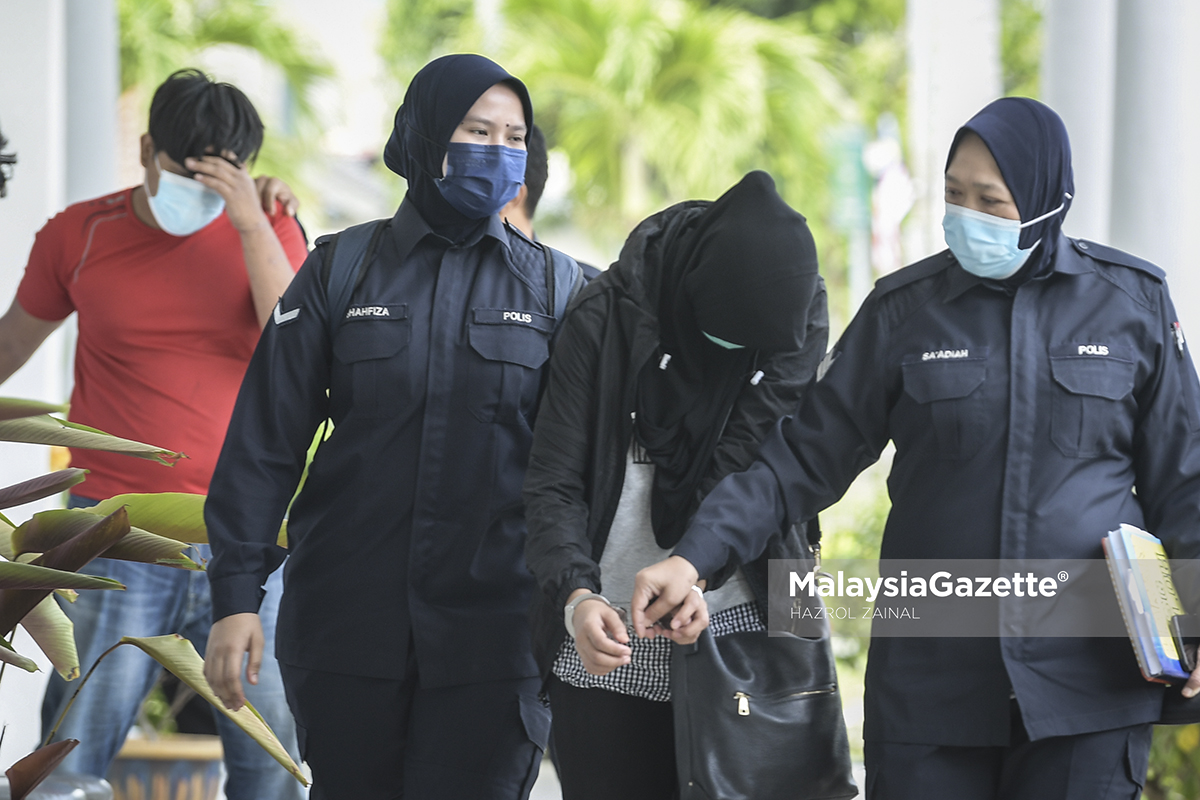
(1029, 142)
(438, 98)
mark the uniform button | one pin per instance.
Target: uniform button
(1083, 246)
(949, 256)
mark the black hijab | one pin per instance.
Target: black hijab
(743, 269)
(436, 102)
(1029, 142)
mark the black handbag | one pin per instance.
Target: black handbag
(759, 716)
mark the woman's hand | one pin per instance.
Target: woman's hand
(669, 587)
(600, 637)
(273, 190)
(229, 642)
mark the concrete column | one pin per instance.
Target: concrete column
(93, 85)
(1078, 77)
(953, 71)
(33, 116)
(1156, 167)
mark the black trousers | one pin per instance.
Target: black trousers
(611, 746)
(374, 739)
(1107, 765)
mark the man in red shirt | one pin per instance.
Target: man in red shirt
(172, 281)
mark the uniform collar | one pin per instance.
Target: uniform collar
(409, 228)
(1067, 261)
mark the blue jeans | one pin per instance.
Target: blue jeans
(160, 600)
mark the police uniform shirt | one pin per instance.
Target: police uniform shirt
(1023, 419)
(410, 522)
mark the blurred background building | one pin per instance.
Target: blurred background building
(850, 104)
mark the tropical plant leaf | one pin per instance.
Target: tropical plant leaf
(6, 530)
(42, 486)
(48, 430)
(54, 634)
(48, 529)
(25, 775)
(181, 659)
(31, 576)
(69, 556)
(15, 408)
(175, 515)
(10, 656)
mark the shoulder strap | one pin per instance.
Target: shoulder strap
(564, 279)
(345, 263)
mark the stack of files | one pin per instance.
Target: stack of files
(1141, 575)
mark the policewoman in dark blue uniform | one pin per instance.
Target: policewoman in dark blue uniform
(1030, 382)
(403, 633)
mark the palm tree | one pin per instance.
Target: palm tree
(657, 102)
(158, 37)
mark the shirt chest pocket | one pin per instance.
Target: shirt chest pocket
(374, 348)
(508, 351)
(1088, 415)
(949, 389)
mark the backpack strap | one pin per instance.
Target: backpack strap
(347, 257)
(564, 279)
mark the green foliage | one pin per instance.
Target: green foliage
(656, 103)
(1021, 46)
(155, 717)
(158, 37)
(1174, 772)
(416, 33)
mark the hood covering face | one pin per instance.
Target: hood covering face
(743, 269)
(438, 98)
(1029, 142)
(749, 274)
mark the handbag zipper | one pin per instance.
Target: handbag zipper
(743, 699)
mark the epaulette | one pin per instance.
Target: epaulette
(914, 272)
(1112, 255)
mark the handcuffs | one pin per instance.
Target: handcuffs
(569, 609)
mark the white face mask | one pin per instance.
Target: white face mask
(182, 205)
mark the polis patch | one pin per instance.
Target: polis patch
(514, 316)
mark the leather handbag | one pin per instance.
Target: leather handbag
(759, 716)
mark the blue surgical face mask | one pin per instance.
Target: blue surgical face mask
(986, 245)
(182, 205)
(723, 343)
(481, 178)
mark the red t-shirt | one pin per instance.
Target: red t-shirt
(166, 329)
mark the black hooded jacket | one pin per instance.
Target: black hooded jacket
(585, 427)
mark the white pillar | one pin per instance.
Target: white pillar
(953, 71)
(32, 115)
(93, 85)
(1156, 168)
(1078, 76)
